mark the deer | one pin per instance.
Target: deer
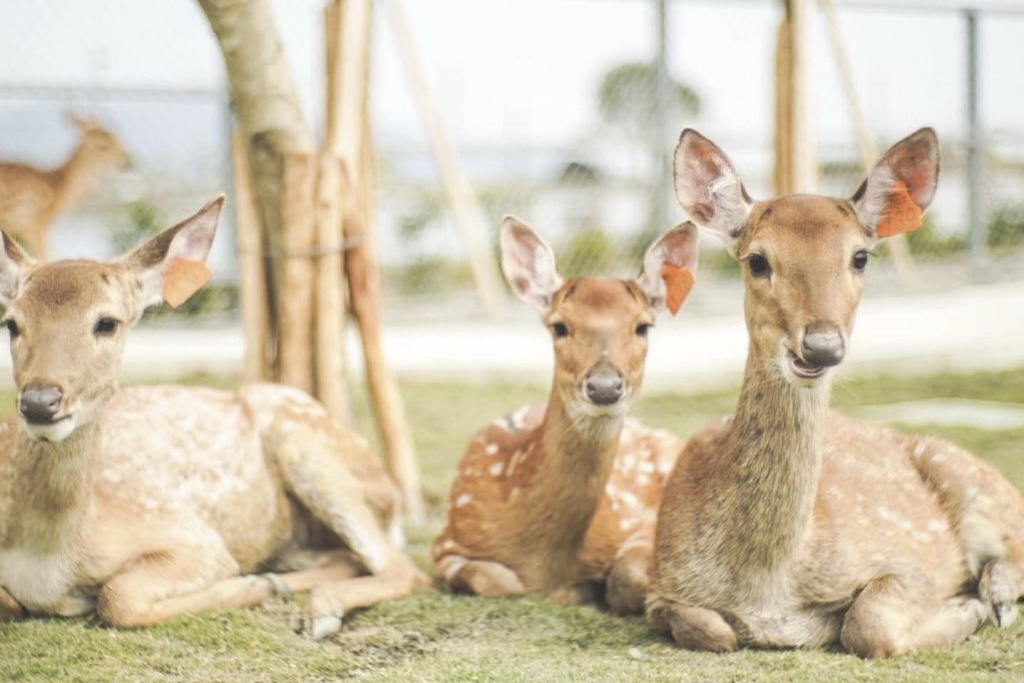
(559, 499)
(31, 199)
(788, 525)
(149, 502)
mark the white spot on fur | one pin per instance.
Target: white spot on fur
(463, 499)
(495, 469)
(491, 449)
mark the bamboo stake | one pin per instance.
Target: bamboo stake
(360, 261)
(468, 217)
(295, 358)
(251, 273)
(329, 321)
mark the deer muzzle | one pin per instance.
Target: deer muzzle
(39, 403)
(604, 385)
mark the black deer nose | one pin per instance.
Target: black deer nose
(39, 403)
(824, 348)
(604, 388)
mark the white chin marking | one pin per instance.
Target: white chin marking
(58, 431)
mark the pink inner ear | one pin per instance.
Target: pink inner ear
(678, 283)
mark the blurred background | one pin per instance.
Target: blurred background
(555, 113)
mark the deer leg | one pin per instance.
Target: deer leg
(693, 628)
(10, 609)
(1002, 584)
(329, 601)
(480, 577)
(336, 566)
(628, 580)
(895, 614)
(162, 585)
(310, 462)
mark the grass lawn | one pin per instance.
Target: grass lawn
(433, 636)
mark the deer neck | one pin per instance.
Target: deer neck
(71, 181)
(55, 475)
(572, 462)
(775, 441)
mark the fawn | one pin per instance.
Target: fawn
(31, 199)
(556, 498)
(788, 525)
(149, 502)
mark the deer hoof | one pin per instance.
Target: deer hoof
(998, 591)
(318, 628)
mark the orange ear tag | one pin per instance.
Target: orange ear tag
(678, 283)
(182, 279)
(901, 213)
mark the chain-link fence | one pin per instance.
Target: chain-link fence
(556, 116)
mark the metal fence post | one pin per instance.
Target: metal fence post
(975, 221)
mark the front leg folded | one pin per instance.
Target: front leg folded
(693, 628)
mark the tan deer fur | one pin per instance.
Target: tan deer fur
(559, 497)
(31, 199)
(149, 502)
(788, 525)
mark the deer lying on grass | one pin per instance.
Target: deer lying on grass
(555, 499)
(788, 525)
(150, 502)
(31, 199)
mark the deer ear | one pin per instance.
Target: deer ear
(172, 266)
(670, 268)
(708, 187)
(80, 122)
(528, 264)
(13, 261)
(900, 186)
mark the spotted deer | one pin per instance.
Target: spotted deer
(148, 502)
(788, 525)
(559, 498)
(31, 198)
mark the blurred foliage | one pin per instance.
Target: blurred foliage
(628, 94)
(590, 251)
(1005, 229)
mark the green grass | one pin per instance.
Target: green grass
(433, 636)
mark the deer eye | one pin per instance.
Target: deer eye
(642, 329)
(105, 327)
(12, 328)
(860, 260)
(758, 265)
(559, 330)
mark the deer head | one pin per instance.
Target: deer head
(68, 320)
(804, 256)
(598, 325)
(97, 145)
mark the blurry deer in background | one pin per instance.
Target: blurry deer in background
(32, 199)
(556, 498)
(149, 502)
(789, 525)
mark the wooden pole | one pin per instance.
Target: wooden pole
(467, 215)
(901, 258)
(360, 260)
(330, 318)
(804, 150)
(295, 348)
(782, 176)
(251, 271)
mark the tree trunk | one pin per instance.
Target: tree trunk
(269, 113)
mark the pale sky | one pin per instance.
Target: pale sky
(508, 72)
